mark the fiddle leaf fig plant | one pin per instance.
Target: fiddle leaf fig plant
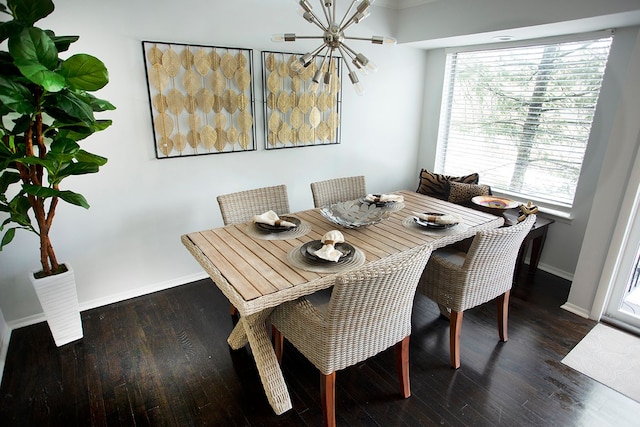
(46, 108)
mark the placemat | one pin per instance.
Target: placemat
(252, 230)
(409, 223)
(298, 260)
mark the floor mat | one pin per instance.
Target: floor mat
(611, 357)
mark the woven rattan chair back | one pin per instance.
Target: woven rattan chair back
(369, 311)
(487, 270)
(486, 273)
(240, 207)
(336, 190)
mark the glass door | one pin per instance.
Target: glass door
(623, 308)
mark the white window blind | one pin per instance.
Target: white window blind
(521, 116)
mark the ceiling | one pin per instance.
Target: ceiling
(402, 4)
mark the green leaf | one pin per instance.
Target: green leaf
(6, 179)
(67, 196)
(30, 11)
(98, 104)
(34, 46)
(75, 132)
(85, 72)
(84, 156)
(40, 75)
(19, 210)
(74, 106)
(36, 57)
(80, 168)
(8, 29)
(16, 97)
(64, 145)
(7, 238)
(62, 42)
(102, 125)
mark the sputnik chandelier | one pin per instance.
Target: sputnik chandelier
(333, 40)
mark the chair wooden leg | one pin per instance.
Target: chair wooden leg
(455, 325)
(278, 343)
(503, 315)
(328, 398)
(402, 364)
(233, 310)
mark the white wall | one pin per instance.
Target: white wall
(597, 265)
(128, 242)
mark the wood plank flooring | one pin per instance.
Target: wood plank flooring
(162, 360)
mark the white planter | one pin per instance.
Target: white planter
(57, 295)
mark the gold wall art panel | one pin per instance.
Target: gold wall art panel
(295, 115)
(201, 98)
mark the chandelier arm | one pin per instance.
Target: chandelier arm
(366, 39)
(326, 13)
(335, 14)
(353, 52)
(325, 57)
(353, 3)
(353, 76)
(317, 50)
(309, 37)
(317, 20)
(346, 54)
(312, 18)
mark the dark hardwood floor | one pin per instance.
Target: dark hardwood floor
(162, 359)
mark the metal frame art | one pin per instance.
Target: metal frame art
(201, 98)
(295, 114)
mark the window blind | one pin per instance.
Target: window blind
(521, 116)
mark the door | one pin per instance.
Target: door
(623, 306)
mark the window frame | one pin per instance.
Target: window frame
(557, 210)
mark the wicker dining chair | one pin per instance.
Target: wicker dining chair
(369, 310)
(458, 281)
(336, 190)
(240, 207)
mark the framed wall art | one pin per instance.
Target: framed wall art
(295, 114)
(201, 98)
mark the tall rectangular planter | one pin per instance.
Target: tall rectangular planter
(59, 300)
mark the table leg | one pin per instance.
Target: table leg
(238, 338)
(536, 250)
(252, 329)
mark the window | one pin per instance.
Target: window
(521, 116)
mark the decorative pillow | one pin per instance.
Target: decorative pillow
(435, 184)
(460, 192)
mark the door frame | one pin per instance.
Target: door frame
(624, 245)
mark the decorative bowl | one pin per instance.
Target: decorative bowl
(355, 213)
(495, 205)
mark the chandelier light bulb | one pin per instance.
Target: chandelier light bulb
(383, 40)
(356, 83)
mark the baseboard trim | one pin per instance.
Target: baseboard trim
(552, 270)
(111, 299)
(123, 296)
(5, 334)
(572, 308)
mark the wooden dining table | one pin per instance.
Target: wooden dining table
(257, 271)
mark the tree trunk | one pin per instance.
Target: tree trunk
(533, 119)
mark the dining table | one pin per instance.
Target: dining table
(258, 270)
